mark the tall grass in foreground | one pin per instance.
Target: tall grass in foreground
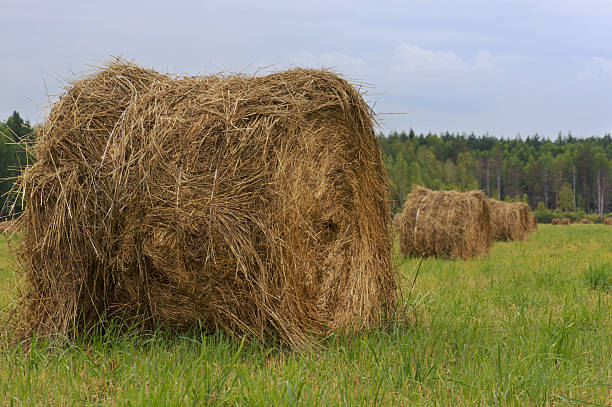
(523, 326)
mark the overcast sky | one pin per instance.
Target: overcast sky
(496, 66)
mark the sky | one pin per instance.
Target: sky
(502, 67)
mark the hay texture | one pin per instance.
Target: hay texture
(566, 221)
(510, 220)
(555, 221)
(255, 205)
(6, 226)
(445, 223)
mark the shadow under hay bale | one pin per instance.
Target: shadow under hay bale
(510, 220)
(445, 223)
(256, 205)
(566, 221)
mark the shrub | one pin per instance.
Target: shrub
(543, 215)
(572, 216)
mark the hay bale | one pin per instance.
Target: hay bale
(256, 205)
(555, 221)
(607, 221)
(586, 222)
(445, 223)
(533, 224)
(565, 221)
(510, 220)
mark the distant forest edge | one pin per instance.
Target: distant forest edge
(15, 134)
(567, 175)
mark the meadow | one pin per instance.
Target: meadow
(529, 324)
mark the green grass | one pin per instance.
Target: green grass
(530, 324)
(599, 277)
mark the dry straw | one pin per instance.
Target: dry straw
(445, 223)
(256, 205)
(6, 226)
(510, 220)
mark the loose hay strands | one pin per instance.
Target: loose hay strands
(510, 220)
(256, 205)
(6, 226)
(445, 223)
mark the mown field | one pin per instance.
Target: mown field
(530, 324)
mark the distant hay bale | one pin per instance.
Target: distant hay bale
(445, 223)
(566, 221)
(533, 224)
(510, 220)
(255, 205)
(555, 221)
(607, 221)
(586, 221)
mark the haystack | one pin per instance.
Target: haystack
(566, 221)
(607, 221)
(255, 205)
(445, 223)
(586, 221)
(510, 220)
(555, 221)
(533, 224)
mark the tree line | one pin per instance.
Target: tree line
(15, 134)
(568, 173)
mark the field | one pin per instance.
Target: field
(530, 324)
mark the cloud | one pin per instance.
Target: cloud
(416, 60)
(597, 69)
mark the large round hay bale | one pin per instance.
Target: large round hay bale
(566, 221)
(607, 221)
(510, 220)
(445, 223)
(555, 221)
(586, 222)
(256, 205)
